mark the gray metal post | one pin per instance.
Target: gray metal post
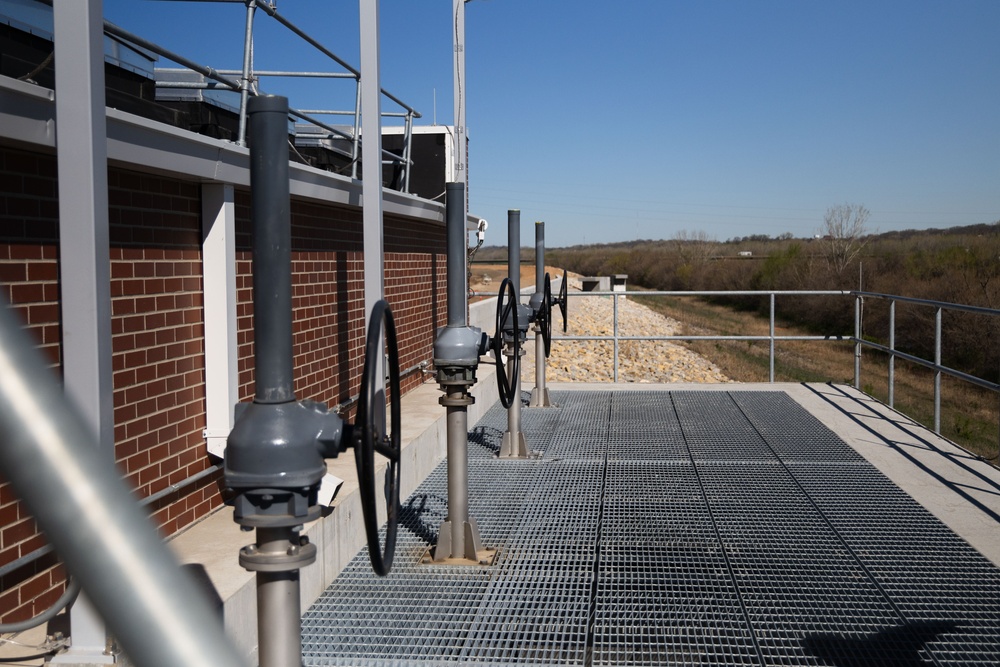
(371, 164)
(937, 371)
(770, 355)
(892, 357)
(857, 341)
(457, 348)
(614, 328)
(241, 137)
(514, 445)
(84, 258)
(458, 32)
(540, 394)
(456, 238)
(272, 252)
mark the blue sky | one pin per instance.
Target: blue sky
(614, 121)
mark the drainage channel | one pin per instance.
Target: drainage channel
(669, 528)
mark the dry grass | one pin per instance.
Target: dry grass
(969, 415)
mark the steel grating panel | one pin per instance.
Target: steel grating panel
(659, 528)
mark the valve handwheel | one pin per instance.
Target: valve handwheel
(507, 309)
(545, 315)
(563, 300)
(371, 435)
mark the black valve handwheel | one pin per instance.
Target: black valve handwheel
(507, 309)
(563, 300)
(545, 315)
(371, 435)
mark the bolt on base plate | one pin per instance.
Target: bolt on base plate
(540, 398)
(514, 447)
(472, 550)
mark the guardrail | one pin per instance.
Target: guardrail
(243, 82)
(856, 338)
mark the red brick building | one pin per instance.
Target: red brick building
(181, 324)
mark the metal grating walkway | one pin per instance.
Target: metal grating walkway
(663, 528)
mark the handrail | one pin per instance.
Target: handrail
(857, 339)
(220, 81)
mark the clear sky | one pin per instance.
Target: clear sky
(614, 121)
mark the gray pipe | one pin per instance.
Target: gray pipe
(539, 256)
(49, 455)
(455, 204)
(514, 249)
(272, 249)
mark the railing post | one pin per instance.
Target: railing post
(241, 138)
(407, 145)
(614, 298)
(937, 371)
(892, 353)
(857, 341)
(771, 355)
(355, 143)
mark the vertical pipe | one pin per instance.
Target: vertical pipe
(892, 353)
(371, 166)
(514, 249)
(539, 256)
(540, 288)
(357, 129)
(407, 145)
(771, 342)
(457, 242)
(279, 629)
(241, 137)
(614, 300)
(461, 174)
(458, 470)
(272, 249)
(514, 273)
(857, 341)
(937, 371)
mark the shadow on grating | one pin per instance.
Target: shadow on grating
(656, 528)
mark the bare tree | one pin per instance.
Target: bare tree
(693, 246)
(846, 234)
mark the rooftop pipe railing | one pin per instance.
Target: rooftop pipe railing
(220, 81)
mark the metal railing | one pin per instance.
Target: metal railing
(934, 365)
(772, 338)
(219, 79)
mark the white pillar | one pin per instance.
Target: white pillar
(85, 271)
(218, 259)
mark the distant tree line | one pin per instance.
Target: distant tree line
(957, 265)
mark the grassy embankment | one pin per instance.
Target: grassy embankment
(968, 414)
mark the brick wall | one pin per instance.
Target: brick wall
(29, 275)
(158, 342)
(158, 331)
(416, 287)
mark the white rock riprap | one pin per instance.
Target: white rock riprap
(638, 361)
